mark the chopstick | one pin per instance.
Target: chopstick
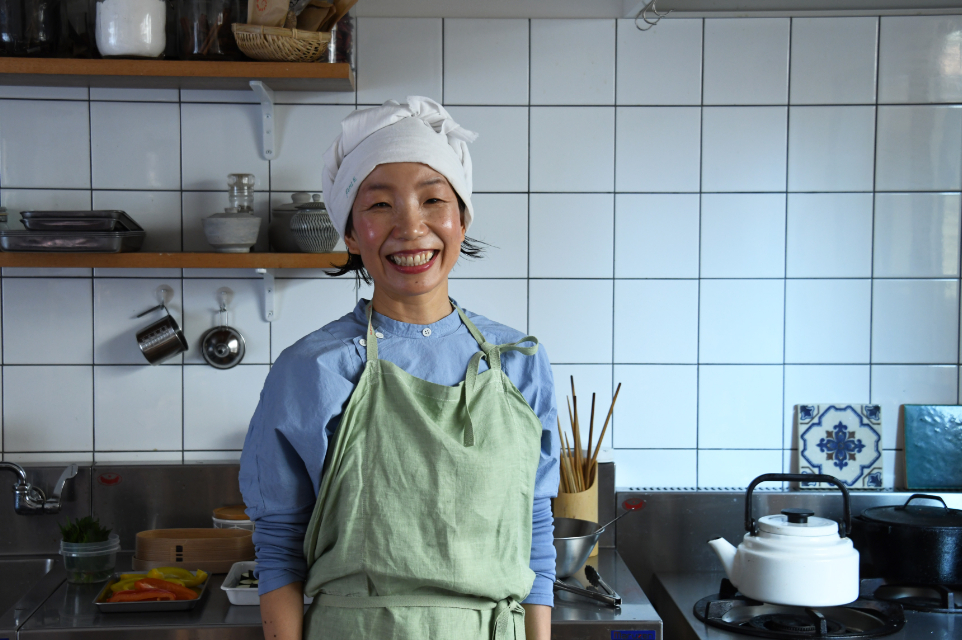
(594, 458)
(576, 433)
(579, 467)
(591, 432)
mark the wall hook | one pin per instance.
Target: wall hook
(643, 15)
(266, 95)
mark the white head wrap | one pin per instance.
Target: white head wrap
(420, 130)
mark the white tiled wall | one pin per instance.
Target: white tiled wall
(727, 216)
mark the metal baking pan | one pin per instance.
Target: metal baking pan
(71, 224)
(97, 213)
(101, 216)
(75, 241)
(157, 605)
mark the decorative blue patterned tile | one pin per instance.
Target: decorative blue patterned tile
(933, 446)
(841, 440)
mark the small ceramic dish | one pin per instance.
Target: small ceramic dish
(244, 596)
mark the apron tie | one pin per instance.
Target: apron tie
(508, 616)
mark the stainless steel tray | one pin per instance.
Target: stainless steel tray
(97, 213)
(133, 607)
(101, 216)
(71, 224)
(79, 241)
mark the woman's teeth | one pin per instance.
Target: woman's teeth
(412, 259)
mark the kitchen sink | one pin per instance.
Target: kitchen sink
(18, 575)
(25, 582)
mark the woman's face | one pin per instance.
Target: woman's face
(407, 228)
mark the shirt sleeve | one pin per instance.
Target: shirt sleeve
(537, 386)
(283, 458)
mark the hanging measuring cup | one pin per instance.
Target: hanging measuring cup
(162, 340)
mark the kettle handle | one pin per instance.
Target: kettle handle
(751, 525)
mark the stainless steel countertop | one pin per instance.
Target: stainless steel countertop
(70, 613)
(683, 590)
(572, 613)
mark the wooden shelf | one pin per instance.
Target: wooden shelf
(137, 260)
(181, 74)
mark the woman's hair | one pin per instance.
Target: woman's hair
(470, 248)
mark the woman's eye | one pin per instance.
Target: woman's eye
(432, 201)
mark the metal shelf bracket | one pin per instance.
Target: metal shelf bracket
(266, 95)
(268, 274)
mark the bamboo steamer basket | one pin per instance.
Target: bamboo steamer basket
(208, 549)
(277, 44)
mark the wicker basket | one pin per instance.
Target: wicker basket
(276, 44)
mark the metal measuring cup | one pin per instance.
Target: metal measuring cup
(163, 339)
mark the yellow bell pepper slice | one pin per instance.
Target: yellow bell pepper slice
(196, 580)
(123, 585)
(176, 572)
(132, 576)
(178, 576)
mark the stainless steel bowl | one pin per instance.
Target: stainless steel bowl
(573, 541)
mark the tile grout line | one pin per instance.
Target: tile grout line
(701, 171)
(871, 302)
(183, 371)
(788, 142)
(528, 200)
(614, 223)
(93, 299)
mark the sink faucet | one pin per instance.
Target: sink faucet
(29, 500)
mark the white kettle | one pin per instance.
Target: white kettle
(793, 559)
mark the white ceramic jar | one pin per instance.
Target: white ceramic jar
(131, 28)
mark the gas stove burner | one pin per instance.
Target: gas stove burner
(734, 612)
(933, 598)
(796, 623)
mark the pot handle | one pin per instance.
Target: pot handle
(922, 495)
(845, 527)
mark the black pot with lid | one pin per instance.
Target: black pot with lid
(912, 543)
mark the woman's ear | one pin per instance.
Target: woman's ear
(351, 243)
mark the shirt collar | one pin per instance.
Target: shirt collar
(443, 327)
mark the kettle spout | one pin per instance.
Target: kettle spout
(725, 552)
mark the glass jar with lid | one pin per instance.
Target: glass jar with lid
(342, 46)
(131, 28)
(77, 29)
(240, 191)
(29, 27)
(204, 29)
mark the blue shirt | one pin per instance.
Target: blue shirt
(301, 405)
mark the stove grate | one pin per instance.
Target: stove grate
(863, 618)
(930, 598)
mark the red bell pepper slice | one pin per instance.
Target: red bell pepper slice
(181, 593)
(141, 595)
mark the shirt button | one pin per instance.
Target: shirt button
(363, 342)
(378, 334)
(425, 332)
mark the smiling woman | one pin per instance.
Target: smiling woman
(470, 248)
(429, 517)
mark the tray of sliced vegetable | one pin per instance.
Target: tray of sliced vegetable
(163, 589)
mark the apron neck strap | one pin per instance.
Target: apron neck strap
(371, 338)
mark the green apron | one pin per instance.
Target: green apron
(422, 527)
